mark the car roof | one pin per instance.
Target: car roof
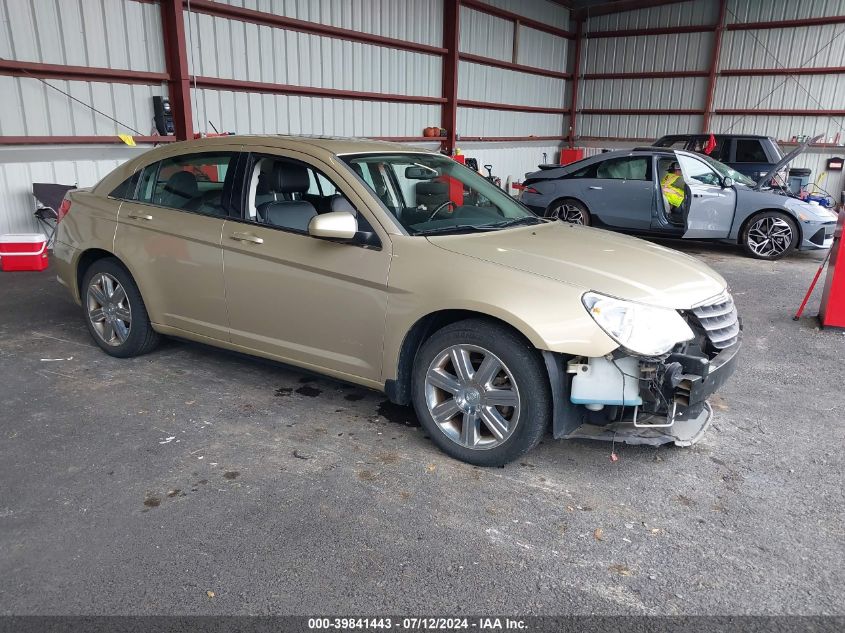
(333, 144)
(717, 135)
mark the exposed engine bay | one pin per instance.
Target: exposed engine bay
(635, 399)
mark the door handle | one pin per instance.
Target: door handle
(595, 188)
(247, 237)
(139, 216)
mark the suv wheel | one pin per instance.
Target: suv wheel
(569, 210)
(481, 392)
(114, 311)
(770, 235)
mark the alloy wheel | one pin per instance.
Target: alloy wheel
(770, 237)
(568, 212)
(472, 397)
(108, 309)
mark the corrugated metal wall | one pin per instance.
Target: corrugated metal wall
(491, 36)
(794, 47)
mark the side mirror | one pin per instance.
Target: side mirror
(337, 225)
(727, 181)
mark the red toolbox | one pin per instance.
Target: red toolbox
(23, 251)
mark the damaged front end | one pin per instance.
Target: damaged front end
(639, 399)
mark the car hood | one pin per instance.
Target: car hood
(765, 180)
(594, 259)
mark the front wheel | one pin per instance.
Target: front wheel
(481, 392)
(569, 210)
(114, 311)
(770, 235)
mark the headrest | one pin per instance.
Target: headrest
(285, 178)
(182, 183)
(340, 203)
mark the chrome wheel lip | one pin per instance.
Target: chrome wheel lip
(108, 309)
(770, 237)
(465, 404)
(567, 212)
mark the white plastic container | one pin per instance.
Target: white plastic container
(600, 381)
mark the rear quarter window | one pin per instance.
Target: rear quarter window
(750, 150)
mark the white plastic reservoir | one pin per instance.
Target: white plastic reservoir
(600, 381)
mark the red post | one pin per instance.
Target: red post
(176, 60)
(451, 42)
(576, 66)
(714, 66)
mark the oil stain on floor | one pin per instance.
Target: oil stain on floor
(398, 414)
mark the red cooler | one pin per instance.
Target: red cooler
(23, 251)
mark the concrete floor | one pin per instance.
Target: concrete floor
(137, 486)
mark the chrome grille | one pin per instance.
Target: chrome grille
(719, 320)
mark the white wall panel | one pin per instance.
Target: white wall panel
(17, 204)
(683, 93)
(791, 48)
(550, 13)
(231, 49)
(807, 92)
(29, 108)
(681, 51)
(637, 126)
(493, 123)
(541, 49)
(251, 113)
(775, 10)
(99, 33)
(486, 35)
(694, 12)
(779, 127)
(512, 160)
(478, 82)
(414, 20)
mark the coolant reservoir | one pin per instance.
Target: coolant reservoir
(600, 381)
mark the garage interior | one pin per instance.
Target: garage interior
(198, 482)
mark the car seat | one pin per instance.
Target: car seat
(287, 178)
(179, 190)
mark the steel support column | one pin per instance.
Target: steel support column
(576, 67)
(714, 66)
(176, 60)
(451, 41)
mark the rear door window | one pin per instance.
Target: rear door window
(628, 168)
(193, 182)
(750, 150)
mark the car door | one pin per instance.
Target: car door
(711, 206)
(169, 234)
(622, 192)
(312, 302)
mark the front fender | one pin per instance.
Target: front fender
(425, 280)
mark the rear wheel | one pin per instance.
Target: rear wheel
(481, 392)
(569, 210)
(770, 235)
(114, 311)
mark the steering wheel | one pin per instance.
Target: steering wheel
(440, 208)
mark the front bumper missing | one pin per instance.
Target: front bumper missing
(701, 378)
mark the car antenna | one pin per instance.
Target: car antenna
(213, 128)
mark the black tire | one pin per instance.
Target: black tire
(751, 235)
(530, 381)
(554, 210)
(140, 337)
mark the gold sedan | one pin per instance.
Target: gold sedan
(401, 270)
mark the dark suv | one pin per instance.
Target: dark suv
(752, 156)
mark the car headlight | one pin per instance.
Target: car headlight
(637, 327)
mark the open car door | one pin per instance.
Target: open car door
(710, 205)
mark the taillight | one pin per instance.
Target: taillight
(529, 190)
(64, 207)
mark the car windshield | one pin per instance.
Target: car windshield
(725, 171)
(429, 194)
